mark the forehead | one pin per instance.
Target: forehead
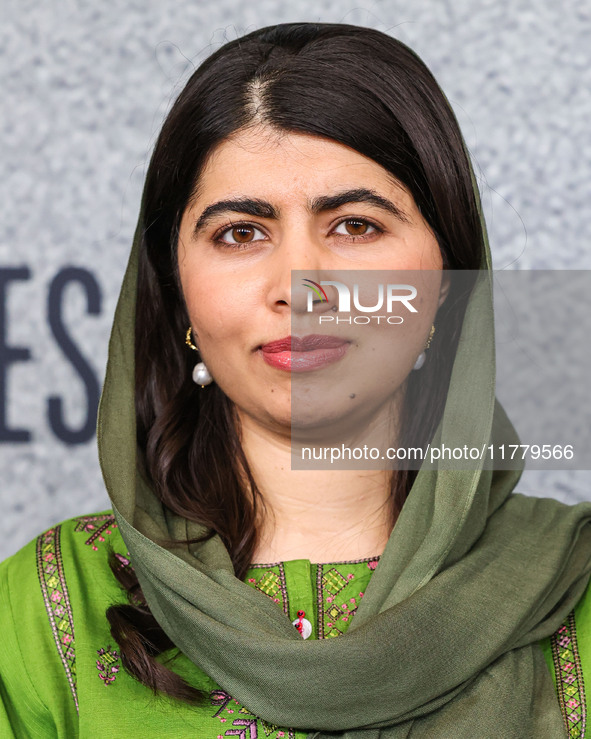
(266, 162)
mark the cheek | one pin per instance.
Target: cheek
(213, 319)
(204, 306)
(220, 313)
(202, 292)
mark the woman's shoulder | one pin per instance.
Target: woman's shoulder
(53, 595)
(568, 655)
(64, 558)
(59, 582)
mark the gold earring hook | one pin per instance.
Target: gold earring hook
(188, 341)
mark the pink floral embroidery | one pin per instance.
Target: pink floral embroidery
(96, 526)
(107, 664)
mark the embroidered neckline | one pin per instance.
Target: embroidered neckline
(338, 590)
(282, 563)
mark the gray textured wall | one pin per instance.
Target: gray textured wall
(84, 87)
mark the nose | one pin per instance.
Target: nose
(295, 271)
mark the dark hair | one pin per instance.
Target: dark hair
(356, 86)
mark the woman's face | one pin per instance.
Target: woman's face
(271, 202)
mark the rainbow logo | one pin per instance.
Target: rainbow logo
(317, 289)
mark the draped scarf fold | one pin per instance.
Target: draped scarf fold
(444, 642)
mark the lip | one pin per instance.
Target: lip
(304, 353)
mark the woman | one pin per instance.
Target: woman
(321, 148)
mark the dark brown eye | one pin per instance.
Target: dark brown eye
(242, 234)
(355, 227)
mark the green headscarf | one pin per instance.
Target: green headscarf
(444, 642)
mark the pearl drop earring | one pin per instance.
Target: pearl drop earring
(201, 375)
(423, 356)
(420, 361)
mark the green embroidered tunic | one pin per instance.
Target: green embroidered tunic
(60, 671)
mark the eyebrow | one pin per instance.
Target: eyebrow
(360, 195)
(263, 209)
(250, 206)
